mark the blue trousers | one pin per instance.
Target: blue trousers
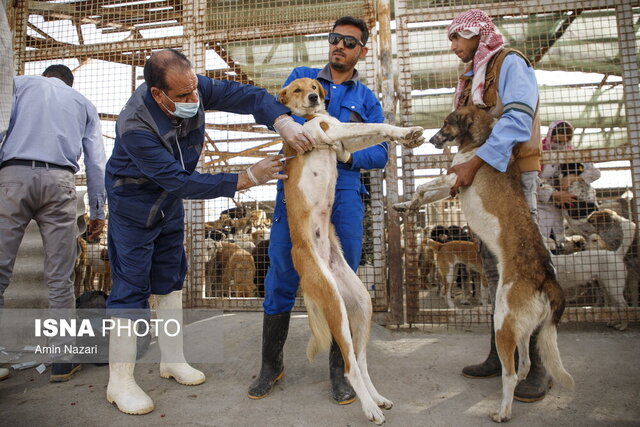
(145, 261)
(281, 282)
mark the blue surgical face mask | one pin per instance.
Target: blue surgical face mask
(185, 110)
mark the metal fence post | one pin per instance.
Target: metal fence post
(393, 221)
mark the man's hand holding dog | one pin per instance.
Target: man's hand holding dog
(261, 172)
(301, 138)
(294, 134)
(465, 172)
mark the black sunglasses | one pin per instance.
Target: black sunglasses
(350, 42)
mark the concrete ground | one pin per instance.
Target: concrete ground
(419, 370)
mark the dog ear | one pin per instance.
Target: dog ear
(480, 125)
(282, 96)
(321, 91)
(463, 121)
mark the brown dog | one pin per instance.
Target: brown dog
(338, 304)
(448, 256)
(230, 271)
(528, 295)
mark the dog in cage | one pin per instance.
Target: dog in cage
(528, 296)
(338, 303)
(451, 255)
(229, 271)
(605, 267)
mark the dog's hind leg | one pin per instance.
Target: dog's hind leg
(631, 283)
(524, 360)
(506, 338)
(357, 302)
(484, 290)
(449, 282)
(614, 294)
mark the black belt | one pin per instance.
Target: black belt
(35, 163)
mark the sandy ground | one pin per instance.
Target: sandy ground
(417, 369)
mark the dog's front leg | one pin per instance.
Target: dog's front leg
(437, 189)
(358, 136)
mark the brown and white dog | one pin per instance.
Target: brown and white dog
(337, 302)
(528, 296)
(448, 256)
(230, 270)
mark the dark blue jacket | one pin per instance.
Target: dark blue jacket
(154, 158)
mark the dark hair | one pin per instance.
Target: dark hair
(355, 22)
(61, 72)
(155, 69)
(562, 128)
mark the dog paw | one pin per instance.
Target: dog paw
(401, 207)
(413, 138)
(500, 418)
(619, 326)
(375, 415)
(384, 403)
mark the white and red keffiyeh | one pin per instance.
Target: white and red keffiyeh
(472, 23)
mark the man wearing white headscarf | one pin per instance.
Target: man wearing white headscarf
(501, 81)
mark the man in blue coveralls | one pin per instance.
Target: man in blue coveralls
(349, 101)
(159, 138)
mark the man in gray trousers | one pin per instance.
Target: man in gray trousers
(50, 126)
(6, 84)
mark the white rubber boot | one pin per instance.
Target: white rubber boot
(122, 389)
(172, 361)
(4, 374)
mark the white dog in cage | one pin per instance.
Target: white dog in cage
(604, 266)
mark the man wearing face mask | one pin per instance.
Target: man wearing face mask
(159, 139)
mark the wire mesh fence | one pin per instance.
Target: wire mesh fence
(585, 56)
(578, 50)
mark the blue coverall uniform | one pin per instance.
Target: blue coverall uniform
(350, 101)
(151, 170)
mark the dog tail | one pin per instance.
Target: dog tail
(547, 343)
(321, 337)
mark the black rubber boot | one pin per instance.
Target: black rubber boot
(491, 367)
(341, 390)
(274, 333)
(535, 386)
